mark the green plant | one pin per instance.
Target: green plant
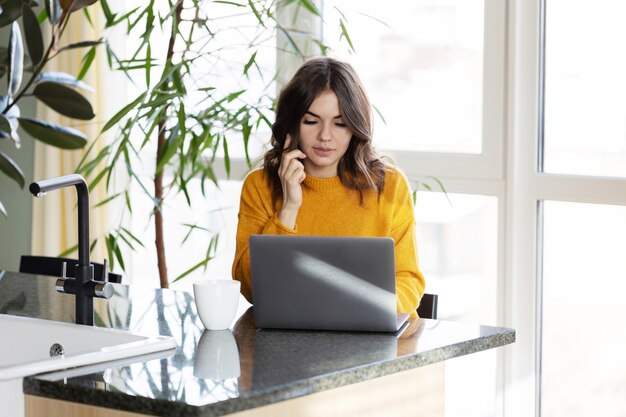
(182, 117)
(428, 183)
(27, 78)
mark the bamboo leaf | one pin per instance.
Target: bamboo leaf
(183, 187)
(171, 146)
(208, 173)
(231, 3)
(226, 157)
(87, 60)
(53, 8)
(110, 17)
(293, 43)
(52, 134)
(246, 130)
(11, 169)
(159, 100)
(62, 78)
(11, 11)
(118, 255)
(256, 13)
(128, 242)
(323, 47)
(123, 112)
(191, 228)
(177, 80)
(68, 251)
(229, 98)
(127, 201)
(64, 100)
(123, 17)
(249, 64)
(344, 34)
(310, 7)
(380, 114)
(193, 268)
(32, 32)
(182, 121)
(106, 200)
(108, 240)
(96, 181)
(441, 186)
(42, 16)
(132, 236)
(16, 59)
(86, 169)
(83, 44)
(88, 17)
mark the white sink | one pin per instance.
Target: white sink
(27, 346)
(29, 342)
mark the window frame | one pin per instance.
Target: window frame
(529, 188)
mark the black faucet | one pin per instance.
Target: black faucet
(83, 286)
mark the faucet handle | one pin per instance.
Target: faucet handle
(105, 271)
(60, 282)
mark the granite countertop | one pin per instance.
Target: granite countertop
(256, 367)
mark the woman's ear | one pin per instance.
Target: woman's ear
(287, 142)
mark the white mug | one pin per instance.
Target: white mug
(216, 302)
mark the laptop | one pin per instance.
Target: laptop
(324, 283)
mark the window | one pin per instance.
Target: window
(585, 88)
(564, 209)
(423, 65)
(580, 245)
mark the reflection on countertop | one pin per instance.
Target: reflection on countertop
(221, 372)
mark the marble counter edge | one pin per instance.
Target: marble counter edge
(161, 407)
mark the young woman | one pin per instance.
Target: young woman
(322, 177)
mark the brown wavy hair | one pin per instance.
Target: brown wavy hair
(361, 168)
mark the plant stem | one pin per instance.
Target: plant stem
(158, 178)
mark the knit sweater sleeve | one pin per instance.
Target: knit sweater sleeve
(410, 283)
(256, 216)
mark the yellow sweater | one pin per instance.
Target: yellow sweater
(330, 209)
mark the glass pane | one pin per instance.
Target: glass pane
(583, 361)
(215, 213)
(585, 88)
(457, 243)
(458, 253)
(422, 64)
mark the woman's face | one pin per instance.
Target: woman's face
(324, 138)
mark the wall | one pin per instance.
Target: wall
(15, 230)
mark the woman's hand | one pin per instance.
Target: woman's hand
(291, 173)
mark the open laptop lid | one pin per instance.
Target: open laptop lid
(324, 283)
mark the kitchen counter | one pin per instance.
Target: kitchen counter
(255, 367)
